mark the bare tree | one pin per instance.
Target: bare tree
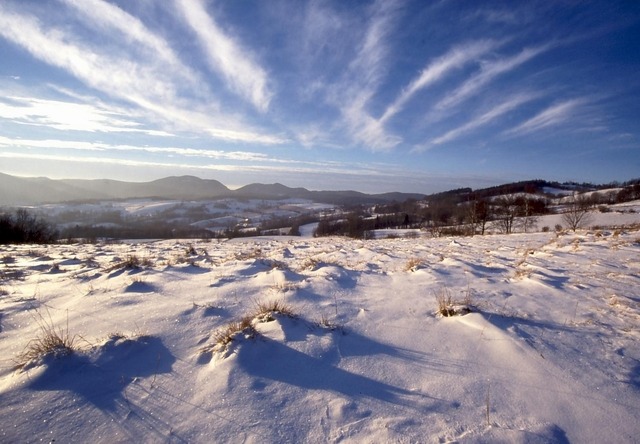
(506, 210)
(527, 218)
(577, 213)
(478, 215)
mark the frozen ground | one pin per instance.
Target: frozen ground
(549, 353)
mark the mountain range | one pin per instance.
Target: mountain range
(16, 191)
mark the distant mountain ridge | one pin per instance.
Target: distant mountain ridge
(41, 190)
(17, 191)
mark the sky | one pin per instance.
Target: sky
(375, 96)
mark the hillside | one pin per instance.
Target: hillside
(35, 191)
(323, 340)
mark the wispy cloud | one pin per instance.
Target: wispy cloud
(104, 160)
(488, 72)
(363, 80)
(553, 115)
(485, 118)
(69, 116)
(226, 56)
(244, 156)
(278, 166)
(110, 17)
(150, 84)
(119, 76)
(454, 59)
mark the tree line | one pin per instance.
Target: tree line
(444, 216)
(23, 227)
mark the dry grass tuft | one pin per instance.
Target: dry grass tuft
(444, 302)
(413, 264)
(327, 323)
(132, 262)
(51, 342)
(245, 255)
(448, 306)
(311, 264)
(224, 337)
(284, 287)
(265, 310)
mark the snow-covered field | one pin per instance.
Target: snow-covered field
(549, 353)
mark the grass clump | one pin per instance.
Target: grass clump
(223, 338)
(265, 310)
(326, 322)
(246, 255)
(413, 264)
(51, 341)
(447, 306)
(131, 262)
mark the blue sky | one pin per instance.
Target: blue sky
(418, 96)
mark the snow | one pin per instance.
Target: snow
(556, 191)
(549, 353)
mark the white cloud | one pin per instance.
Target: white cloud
(362, 81)
(367, 130)
(69, 116)
(282, 167)
(226, 56)
(454, 59)
(485, 118)
(111, 18)
(488, 72)
(105, 147)
(147, 83)
(553, 115)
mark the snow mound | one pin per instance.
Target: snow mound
(341, 343)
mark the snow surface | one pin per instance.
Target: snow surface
(549, 353)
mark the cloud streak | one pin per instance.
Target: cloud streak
(105, 147)
(456, 58)
(363, 80)
(553, 115)
(111, 18)
(485, 118)
(226, 56)
(488, 72)
(147, 83)
(277, 167)
(69, 116)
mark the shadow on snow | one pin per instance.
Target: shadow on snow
(102, 375)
